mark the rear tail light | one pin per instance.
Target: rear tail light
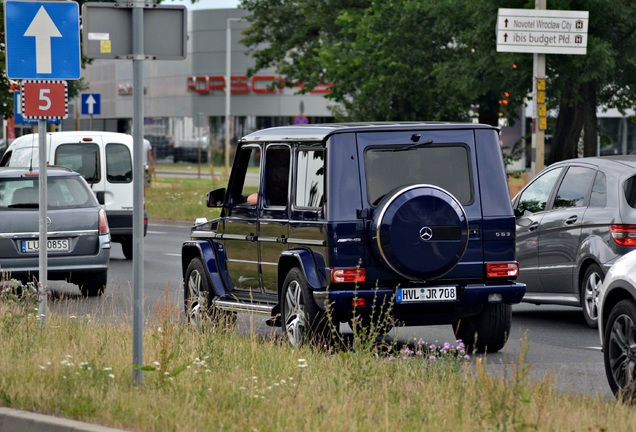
(103, 222)
(624, 235)
(348, 275)
(507, 269)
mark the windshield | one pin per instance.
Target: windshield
(445, 166)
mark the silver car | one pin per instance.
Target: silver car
(574, 220)
(78, 236)
(617, 326)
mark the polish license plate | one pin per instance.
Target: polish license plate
(428, 294)
(54, 245)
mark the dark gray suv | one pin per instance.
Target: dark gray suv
(574, 220)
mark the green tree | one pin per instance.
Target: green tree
(437, 60)
(400, 60)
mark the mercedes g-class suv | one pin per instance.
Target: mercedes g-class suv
(410, 218)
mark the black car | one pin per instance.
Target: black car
(574, 220)
(78, 238)
(349, 219)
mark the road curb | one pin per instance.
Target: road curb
(12, 420)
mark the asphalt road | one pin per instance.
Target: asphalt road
(559, 342)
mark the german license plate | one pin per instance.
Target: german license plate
(55, 245)
(428, 294)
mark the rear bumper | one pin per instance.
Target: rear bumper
(59, 266)
(470, 300)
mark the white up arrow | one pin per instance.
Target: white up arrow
(43, 29)
(90, 102)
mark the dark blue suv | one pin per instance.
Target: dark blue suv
(413, 219)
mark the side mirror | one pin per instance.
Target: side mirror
(216, 198)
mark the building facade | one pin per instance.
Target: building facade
(184, 100)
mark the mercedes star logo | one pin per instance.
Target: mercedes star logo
(426, 233)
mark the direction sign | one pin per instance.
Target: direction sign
(44, 99)
(91, 104)
(542, 31)
(42, 39)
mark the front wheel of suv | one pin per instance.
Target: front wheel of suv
(303, 321)
(487, 331)
(590, 285)
(198, 294)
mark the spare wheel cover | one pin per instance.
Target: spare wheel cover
(420, 231)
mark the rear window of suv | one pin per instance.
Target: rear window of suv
(448, 167)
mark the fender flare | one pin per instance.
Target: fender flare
(311, 263)
(207, 252)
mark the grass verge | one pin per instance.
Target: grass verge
(213, 379)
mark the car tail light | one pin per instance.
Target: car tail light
(624, 235)
(103, 222)
(348, 275)
(357, 302)
(507, 269)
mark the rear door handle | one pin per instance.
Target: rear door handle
(571, 220)
(533, 226)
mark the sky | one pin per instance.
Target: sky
(204, 4)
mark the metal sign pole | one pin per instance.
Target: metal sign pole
(43, 253)
(138, 188)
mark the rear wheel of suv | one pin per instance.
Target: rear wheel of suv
(198, 294)
(419, 231)
(303, 321)
(92, 284)
(487, 331)
(590, 285)
(619, 352)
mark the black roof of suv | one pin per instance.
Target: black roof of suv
(411, 218)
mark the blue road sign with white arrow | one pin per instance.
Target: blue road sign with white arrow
(91, 104)
(42, 40)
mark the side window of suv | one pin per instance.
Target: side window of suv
(247, 173)
(277, 163)
(574, 188)
(310, 179)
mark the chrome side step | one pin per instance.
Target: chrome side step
(237, 306)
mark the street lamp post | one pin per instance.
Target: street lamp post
(228, 71)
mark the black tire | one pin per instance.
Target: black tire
(590, 285)
(93, 284)
(487, 331)
(302, 320)
(197, 299)
(619, 350)
(127, 247)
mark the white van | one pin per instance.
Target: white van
(104, 159)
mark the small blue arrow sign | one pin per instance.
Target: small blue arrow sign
(42, 40)
(91, 104)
